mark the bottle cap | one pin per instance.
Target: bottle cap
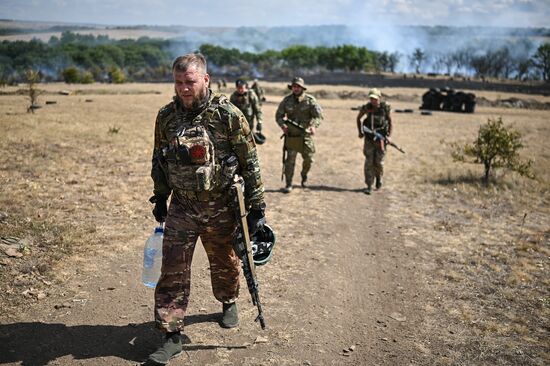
(159, 229)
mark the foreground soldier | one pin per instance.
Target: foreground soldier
(247, 101)
(201, 141)
(378, 120)
(298, 115)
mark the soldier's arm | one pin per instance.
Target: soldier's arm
(280, 114)
(233, 98)
(362, 112)
(158, 165)
(256, 108)
(316, 114)
(244, 147)
(390, 124)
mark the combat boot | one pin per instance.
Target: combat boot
(368, 190)
(288, 187)
(230, 317)
(304, 181)
(378, 182)
(171, 348)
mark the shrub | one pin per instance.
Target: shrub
(496, 146)
(71, 75)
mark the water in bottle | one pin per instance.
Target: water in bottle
(152, 258)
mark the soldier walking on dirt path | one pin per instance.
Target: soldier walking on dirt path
(247, 101)
(378, 120)
(201, 141)
(258, 90)
(298, 115)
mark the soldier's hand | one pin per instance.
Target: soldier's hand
(160, 211)
(311, 130)
(388, 140)
(361, 135)
(255, 220)
(285, 129)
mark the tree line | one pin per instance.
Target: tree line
(76, 58)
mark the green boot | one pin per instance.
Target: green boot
(171, 348)
(230, 318)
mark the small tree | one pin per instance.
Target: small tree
(71, 75)
(541, 60)
(116, 75)
(416, 59)
(496, 146)
(32, 77)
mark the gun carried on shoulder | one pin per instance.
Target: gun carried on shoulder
(243, 248)
(379, 137)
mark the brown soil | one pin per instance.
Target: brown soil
(432, 269)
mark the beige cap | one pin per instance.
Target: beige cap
(374, 93)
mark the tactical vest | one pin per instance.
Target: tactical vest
(192, 164)
(377, 120)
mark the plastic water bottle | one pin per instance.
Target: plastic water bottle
(152, 258)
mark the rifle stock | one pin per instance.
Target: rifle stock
(243, 248)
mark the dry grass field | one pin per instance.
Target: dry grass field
(433, 269)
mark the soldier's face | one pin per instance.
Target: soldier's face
(241, 89)
(297, 89)
(191, 86)
(375, 102)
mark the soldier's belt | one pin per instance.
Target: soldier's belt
(202, 196)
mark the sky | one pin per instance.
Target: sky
(271, 13)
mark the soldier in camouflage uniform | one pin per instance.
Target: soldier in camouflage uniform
(258, 90)
(201, 141)
(247, 101)
(298, 115)
(378, 120)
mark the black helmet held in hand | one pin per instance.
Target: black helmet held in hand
(262, 243)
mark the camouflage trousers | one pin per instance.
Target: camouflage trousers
(307, 151)
(216, 225)
(374, 160)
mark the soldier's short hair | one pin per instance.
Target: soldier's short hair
(184, 62)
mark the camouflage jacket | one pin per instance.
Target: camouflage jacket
(230, 135)
(304, 110)
(259, 91)
(377, 118)
(249, 104)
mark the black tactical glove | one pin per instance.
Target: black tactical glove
(160, 210)
(255, 220)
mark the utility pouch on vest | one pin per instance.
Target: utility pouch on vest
(190, 160)
(228, 170)
(294, 143)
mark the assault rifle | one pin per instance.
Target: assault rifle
(295, 124)
(379, 137)
(243, 248)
